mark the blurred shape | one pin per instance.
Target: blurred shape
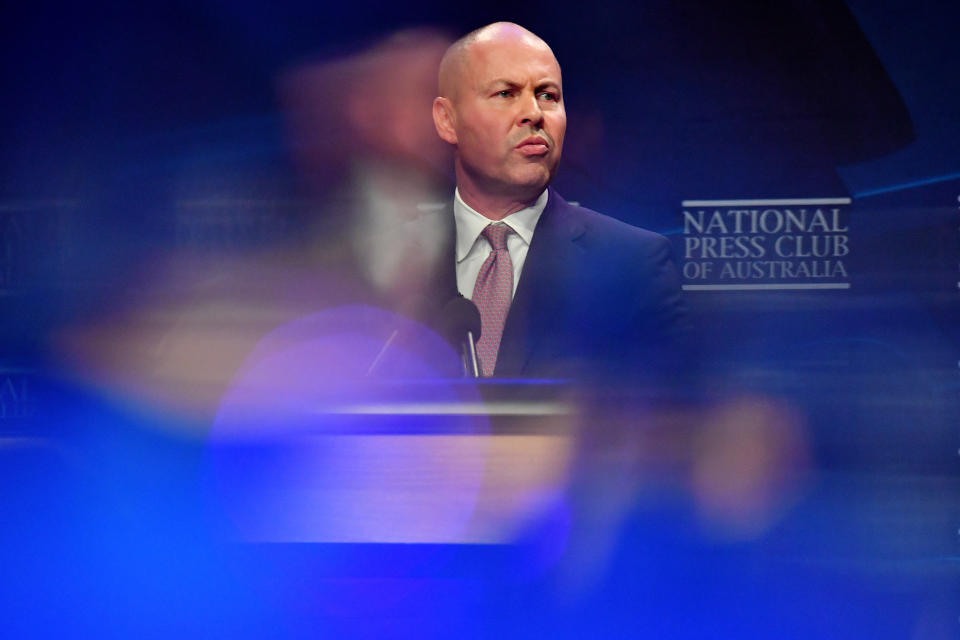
(301, 452)
(749, 462)
(352, 488)
(437, 489)
(656, 477)
(373, 195)
(374, 105)
(363, 139)
(175, 348)
(325, 357)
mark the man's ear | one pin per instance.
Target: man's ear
(443, 119)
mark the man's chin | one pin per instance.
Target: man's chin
(532, 181)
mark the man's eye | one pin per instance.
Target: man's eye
(548, 95)
(505, 93)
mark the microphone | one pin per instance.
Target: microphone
(460, 325)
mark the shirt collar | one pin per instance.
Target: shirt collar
(470, 223)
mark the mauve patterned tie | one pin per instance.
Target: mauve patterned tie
(492, 295)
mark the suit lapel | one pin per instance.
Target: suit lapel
(553, 252)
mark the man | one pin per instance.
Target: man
(563, 291)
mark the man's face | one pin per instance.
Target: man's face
(508, 117)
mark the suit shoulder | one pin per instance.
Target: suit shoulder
(611, 232)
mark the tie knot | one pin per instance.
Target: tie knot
(496, 235)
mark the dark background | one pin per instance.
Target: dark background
(114, 114)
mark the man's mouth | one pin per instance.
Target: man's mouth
(533, 146)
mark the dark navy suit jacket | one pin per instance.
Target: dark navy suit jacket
(597, 299)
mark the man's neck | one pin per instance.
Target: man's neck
(494, 207)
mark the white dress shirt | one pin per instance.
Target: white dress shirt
(473, 249)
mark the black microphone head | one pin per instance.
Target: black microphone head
(457, 317)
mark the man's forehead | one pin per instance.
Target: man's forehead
(507, 57)
(504, 45)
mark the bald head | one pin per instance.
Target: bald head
(456, 60)
(501, 107)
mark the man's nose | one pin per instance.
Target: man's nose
(530, 111)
